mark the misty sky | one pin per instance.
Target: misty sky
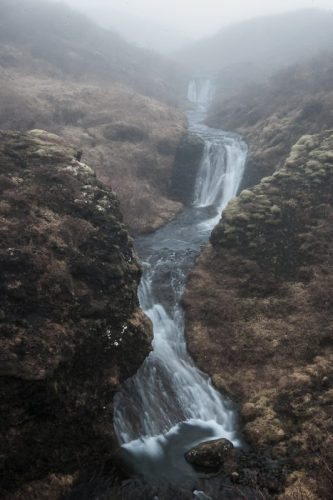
(196, 18)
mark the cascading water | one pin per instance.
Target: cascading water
(200, 92)
(169, 406)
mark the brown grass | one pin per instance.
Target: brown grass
(123, 136)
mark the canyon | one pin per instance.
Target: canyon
(165, 263)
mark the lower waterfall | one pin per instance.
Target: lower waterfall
(169, 406)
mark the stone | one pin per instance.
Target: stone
(275, 210)
(185, 168)
(211, 454)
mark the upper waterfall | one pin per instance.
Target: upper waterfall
(200, 91)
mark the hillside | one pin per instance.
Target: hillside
(252, 50)
(94, 151)
(136, 28)
(263, 327)
(68, 41)
(274, 115)
(97, 92)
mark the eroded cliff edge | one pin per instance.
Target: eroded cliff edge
(70, 325)
(259, 311)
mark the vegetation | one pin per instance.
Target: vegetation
(67, 41)
(267, 314)
(102, 110)
(259, 301)
(272, 116)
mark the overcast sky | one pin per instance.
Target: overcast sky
(198, 17)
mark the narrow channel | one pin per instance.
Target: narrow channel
(169, 406)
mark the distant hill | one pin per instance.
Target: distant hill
(136, 28)
(251, 50)
(73, 44)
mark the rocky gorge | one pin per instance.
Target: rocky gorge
(261, 330)
(205, 371)
(264, 329)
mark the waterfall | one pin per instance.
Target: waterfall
(200, 91)
(170, 405)
(220, 173)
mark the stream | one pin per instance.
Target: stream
(170, 406)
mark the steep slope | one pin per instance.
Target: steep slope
(274, 115)
(70, 326)
(58, 36)
(129, 139)
(102, 109)
(263, 326)
(251, 50)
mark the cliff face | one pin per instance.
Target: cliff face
(185, 168)
(259, 311)
(70, 325)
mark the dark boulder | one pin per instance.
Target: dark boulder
(187, 162)
(211, 454)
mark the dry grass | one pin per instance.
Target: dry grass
(273, 115)
(91, 117)
(265, 332)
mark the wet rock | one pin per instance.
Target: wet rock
(210, 455)
(187, 161)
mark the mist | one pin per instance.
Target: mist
(167, 25)
(166, 249)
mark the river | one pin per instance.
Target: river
(169, 406)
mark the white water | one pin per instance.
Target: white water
(200, 92)
(170, 406)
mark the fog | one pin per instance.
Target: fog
(167, 24)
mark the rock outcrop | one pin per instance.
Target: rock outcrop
(185, 169)
(70, 326)
(211, 454)
(259, 310)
